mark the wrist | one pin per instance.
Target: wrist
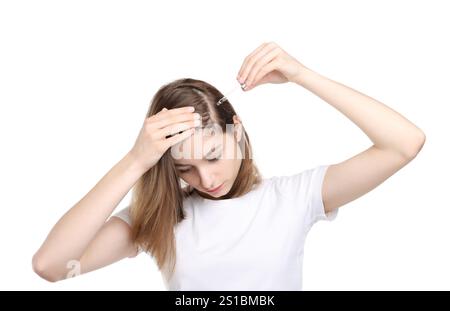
(302, 75)
(132, 165)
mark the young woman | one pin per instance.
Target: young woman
(226, 228)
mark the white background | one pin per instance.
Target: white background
(76, 79)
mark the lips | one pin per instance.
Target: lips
(215, 189)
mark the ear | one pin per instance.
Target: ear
(237, 127)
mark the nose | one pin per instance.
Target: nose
(206, 178)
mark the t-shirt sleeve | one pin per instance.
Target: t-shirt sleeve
(304, 192)
(314, 181)
(124, 214)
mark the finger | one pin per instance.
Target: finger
(261, 76)
(171, 112)
(261, 63)
(169, 120)
(177, 128)
(251, 61)
(244, 64)
(179, 137)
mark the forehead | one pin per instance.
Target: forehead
(197, 146)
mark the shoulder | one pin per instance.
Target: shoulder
(300, 182)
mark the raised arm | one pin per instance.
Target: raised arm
(396, 141)
(81, 241)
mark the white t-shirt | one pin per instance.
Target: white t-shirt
(254, 242)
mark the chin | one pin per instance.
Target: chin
(223, 191)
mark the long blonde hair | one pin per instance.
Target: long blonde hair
(157, 197)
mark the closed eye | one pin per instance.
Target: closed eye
(214, 159)
(209, 160)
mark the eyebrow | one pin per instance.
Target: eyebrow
(213, 149)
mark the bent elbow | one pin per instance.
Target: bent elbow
(41, 268)
(415, 146)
